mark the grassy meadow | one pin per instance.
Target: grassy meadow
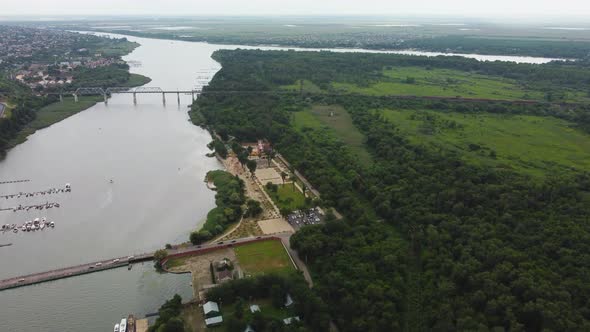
(263, 257)
(339, 122)
(530, 144)
(287, 197)
(417, 81)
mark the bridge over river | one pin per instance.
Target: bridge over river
(118, 262)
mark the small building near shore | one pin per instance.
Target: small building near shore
(211, 309)
(214, 321)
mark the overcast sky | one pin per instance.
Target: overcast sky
(479, 8)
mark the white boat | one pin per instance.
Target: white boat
(123, 325)
(36, 221)
(42, 225)
(52, 224)
(116, 328)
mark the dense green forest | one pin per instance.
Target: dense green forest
(430, 242)
(228, 200)
(307, 305)
(24, 110)
(324, 68)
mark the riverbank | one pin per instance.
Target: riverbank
(59, 111)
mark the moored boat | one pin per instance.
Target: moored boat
(123, 325)
(116, 328)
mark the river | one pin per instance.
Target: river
(156, 160)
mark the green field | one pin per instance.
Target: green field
(339, 121)
(53, 113)
(530, 144)
(263, 257)
(287, 197)
(417, 81)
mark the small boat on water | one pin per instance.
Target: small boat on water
(116, 328)
(123, 325)
(130, 323)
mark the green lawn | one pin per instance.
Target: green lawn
(53, 113)
(287, 197)
(339, 121)
(417, 81)
(530, 144)
(263, 257)
(307, 86)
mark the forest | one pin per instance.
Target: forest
(228, 200)
(430, 242)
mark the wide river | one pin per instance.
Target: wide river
(156, 160)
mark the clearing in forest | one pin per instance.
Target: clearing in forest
(263, 257)
(530, 144)
(418, 81)
(339, 121)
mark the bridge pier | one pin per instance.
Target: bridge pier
(178, 96)
(164, 98)
(134, 98)
(75, 97)
(106, 99)
(193, 96)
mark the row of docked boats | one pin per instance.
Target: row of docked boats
(126, 325)
(29, 226)
(66, 189)
(45, 206)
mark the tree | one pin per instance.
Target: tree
(175, 324)
(159, 256)
(199, 237)
(239, 308)
(251, 164)
(283, 176)
(277, 296)
(253, 208)
(243, 157)
(271, 156)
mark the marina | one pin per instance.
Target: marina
(66, 189)
(21, 207)
(28, 226)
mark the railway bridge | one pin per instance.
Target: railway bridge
(107, 92)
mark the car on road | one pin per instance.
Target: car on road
(233, 241)
(116, 260)
(98, 264)
(21, 279)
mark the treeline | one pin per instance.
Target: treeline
(104, 77)
(228, 200)
(310, 308)
(23, 113)
(274, 68)
(431, 243)
(568, 49)
(169, 319)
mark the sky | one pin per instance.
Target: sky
(469, 8)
